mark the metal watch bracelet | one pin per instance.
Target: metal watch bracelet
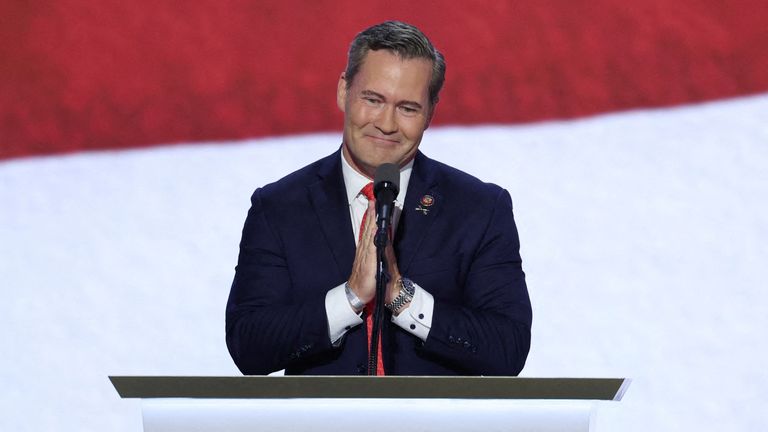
(407, 290)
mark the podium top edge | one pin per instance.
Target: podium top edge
(364, 387)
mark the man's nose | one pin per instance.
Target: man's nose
(385, 121)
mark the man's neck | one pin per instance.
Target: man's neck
(347, 157)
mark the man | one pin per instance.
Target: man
(457, 303)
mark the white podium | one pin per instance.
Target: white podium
(375, 404)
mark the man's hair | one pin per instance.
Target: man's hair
(404, 40)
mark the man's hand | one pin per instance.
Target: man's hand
(362, 281)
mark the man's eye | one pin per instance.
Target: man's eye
(371, 101)
(408, 110)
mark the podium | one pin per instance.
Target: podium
(372, 404)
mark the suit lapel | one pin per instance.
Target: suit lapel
(418, 213)
(329, 201)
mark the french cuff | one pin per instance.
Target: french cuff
(417, 317)
(341, 316)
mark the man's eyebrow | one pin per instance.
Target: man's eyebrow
(372, 93)
(381, 96)
(411, 104)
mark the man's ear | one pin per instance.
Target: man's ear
(341, 92)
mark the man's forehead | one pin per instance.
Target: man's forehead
(384, 71)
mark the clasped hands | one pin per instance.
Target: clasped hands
(362, 280)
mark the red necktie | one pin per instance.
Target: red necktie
(368, 192)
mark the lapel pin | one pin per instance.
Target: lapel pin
(426, 201)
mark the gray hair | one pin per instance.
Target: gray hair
(404, 40)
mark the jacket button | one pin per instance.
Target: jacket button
(413, 326)
(421, 316)
(362, 369)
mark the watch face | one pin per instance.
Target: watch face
(408, 287)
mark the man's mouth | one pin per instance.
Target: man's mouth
(383, 140)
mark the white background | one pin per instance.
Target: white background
(643, 239)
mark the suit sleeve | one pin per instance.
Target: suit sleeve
(487, 332)
(266, 328)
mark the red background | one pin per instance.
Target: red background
(79, 75)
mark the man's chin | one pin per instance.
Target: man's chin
(368, 166)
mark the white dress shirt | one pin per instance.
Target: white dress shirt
(417, 318)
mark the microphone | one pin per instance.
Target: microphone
(386, 186)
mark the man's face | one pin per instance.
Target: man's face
(386, 110)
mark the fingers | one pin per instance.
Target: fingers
(369, 229)
(362, 281)
(363, 278)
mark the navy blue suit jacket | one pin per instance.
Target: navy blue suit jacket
(298, 243)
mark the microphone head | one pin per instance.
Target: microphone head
(387, 177)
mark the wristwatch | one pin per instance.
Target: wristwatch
(407, 290)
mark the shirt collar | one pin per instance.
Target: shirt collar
(354, 181)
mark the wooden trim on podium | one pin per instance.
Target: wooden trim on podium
(400, 387)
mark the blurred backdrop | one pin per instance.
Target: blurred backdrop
(83, 75)
(632, 137)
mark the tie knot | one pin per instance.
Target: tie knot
(367, 190)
